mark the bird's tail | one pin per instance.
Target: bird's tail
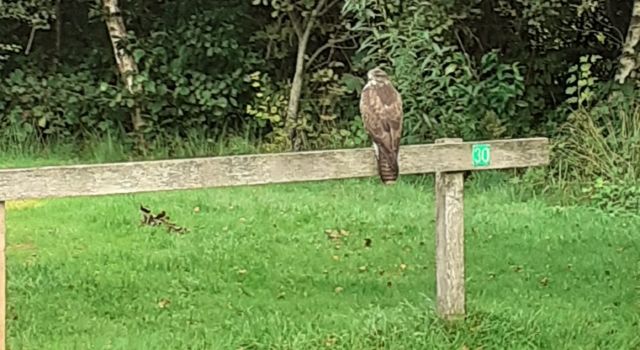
(388, 166)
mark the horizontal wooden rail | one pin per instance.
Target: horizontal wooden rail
(166, 175)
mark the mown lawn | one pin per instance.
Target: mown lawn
(258, 271)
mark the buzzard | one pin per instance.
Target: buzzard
(381, 110)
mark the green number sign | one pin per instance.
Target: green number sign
(481, 155)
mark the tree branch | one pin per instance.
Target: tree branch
(331, 53)
(312, 19)
(329, 44)
(329, 7)
(295, 23)
(58, 30)
(32, 36)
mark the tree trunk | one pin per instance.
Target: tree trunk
(292, 120)
(295, 94)
(630, 59)
(126, 64)
(58, 31)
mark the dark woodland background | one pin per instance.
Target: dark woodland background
(218, 76)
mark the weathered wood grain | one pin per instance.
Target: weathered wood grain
(149, 176)
(3, 277)
(450, 289)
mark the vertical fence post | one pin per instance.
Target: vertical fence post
(3, 278)
(450, 243)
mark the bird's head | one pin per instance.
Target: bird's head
(377, 74)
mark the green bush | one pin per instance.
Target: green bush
(445, 93)
(193, 76)
(603, 142)
(191, 79)
(466, 69)
(61, 106)
(617, 196)
(598, 149)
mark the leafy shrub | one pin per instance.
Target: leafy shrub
(268, 107)
(445, 93)
(581, 82)
(191, 78)
(470, 69)
(59, 105)
(601, 143)
(330, 110)
(599, 150)
(329, 113)
(617, 197)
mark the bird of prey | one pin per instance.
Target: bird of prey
(381, 110)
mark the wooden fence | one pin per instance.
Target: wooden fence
(448, 158)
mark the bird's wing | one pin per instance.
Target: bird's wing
(381, 109)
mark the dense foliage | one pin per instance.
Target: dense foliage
(225, 68)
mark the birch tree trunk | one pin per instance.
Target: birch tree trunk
(630, 60)
(126, 64)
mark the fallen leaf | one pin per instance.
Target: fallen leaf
(332, 234)
(335, 235)
(362, 268)
(330, 341)
(163, 303)
(544, 281)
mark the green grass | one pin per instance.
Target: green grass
(257, 271)
(16, 153)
